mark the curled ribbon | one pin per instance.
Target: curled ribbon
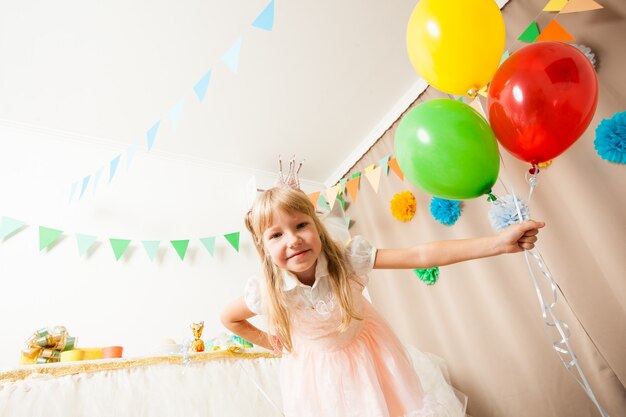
(46, 345)
(562, 345)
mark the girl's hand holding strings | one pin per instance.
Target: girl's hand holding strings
(519, 237)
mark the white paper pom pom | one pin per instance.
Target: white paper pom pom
(503, 212)
(587, 51)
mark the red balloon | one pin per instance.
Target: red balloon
(542, 99)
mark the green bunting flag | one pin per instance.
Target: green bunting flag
(119, 246)
(209, 244)
(233, 239)
(85, 242)
(9, 227)
(530, 33)
(48, 236)
(181, 247)
(151, 247)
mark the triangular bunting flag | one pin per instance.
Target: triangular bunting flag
(151, 247)
(348, 221)
(530, 33)
(374, 178)
(113, 166)
(175, 113)
(393, 164)
(483, 91)
(231, 57)
(181, 247)
(151, 135)
(85, 242)
(73, 191)
(84, 186)
(369, 168)
(96, 178)
(9, 227)
(48, 236)
(313, 197)
(505, 56)
(233, 239)
(130, 157)
(331, 195)
(342, 201)
(476, 105)
(356, 174)
(554, 5)
(574, 6)
(322, 201)
(342, 184)
(460, 99)
(384, 164)
(555, 32)
(209, 244)
(202, 85)
(265, 20)
(119, 246)
(353, 186)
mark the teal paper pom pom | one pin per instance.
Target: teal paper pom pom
(610, 140)
(428, 275)
(445, 211)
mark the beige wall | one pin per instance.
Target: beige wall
(483, 316)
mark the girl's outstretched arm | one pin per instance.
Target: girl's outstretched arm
(515, 238)
(235, 318)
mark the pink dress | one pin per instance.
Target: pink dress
(363, 371)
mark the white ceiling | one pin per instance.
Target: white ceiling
(318, 85)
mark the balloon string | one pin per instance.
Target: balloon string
(562, 346)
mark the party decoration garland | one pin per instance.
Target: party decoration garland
(445, 211)
(503, 212)
(428, 275)
(403, 206)
(610, 142)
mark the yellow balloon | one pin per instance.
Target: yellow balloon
(456, 45)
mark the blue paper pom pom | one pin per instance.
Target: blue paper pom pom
(503, 212)
(445, 211)
(610, 140)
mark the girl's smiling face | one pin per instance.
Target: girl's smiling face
(293, 243)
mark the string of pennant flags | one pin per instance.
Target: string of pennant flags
(48, 236)
(264, 21)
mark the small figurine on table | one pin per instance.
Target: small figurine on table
(197, 345)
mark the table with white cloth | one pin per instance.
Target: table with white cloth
(219, 383)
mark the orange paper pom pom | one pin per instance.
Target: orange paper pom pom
(403, 206)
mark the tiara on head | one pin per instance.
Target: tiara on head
(291, 179)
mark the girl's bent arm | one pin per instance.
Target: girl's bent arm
(235, 318)
(516, 238)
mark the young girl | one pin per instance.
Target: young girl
(342, 358)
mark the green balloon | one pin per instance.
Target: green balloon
(447, 149)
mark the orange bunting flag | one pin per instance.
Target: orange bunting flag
(373, 177)
(353, 187)
(554, 5)
(393, 164)
(331, 195)
(555, 32)
(314, 197)
(574, 6)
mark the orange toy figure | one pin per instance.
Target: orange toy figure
(197, 345)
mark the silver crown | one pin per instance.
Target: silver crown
(291, 179)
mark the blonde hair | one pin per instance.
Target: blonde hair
(257, 221)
